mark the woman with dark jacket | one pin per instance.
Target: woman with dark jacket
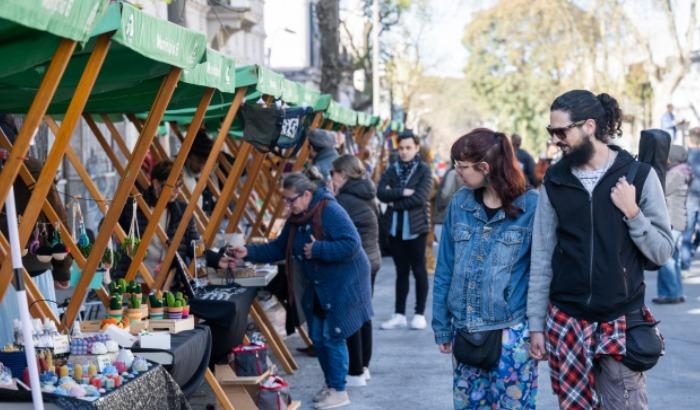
(169, 222)
(405, 188)
(321, 237)
(357, 195)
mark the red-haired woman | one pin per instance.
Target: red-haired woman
(482, 275)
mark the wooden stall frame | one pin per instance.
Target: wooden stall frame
(53, 161)
(156, 113)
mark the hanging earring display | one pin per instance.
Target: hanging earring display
(108, 256)
(58, 248)
(80, 237)
(44, 252)
(35, 243)
(133, 239)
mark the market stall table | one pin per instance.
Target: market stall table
(152, 389)
(187, 358)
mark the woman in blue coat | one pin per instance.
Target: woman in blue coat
(321, 236)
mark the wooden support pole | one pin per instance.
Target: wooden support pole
(36, 112)
(199, 188)
(160, 104)
(170, 183)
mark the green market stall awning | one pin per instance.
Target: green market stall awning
(143, 50)
(260, 81)
(341, 115)
(30, 30)
(366, 120)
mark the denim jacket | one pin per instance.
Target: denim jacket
(483, 267)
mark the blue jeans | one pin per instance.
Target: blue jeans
(332, 353)
(688, 246)
(670, 282)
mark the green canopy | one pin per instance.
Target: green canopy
(341, 115)
(143, 50)
(66, 19)
(260, 81)
(30, 30)
(366, 120)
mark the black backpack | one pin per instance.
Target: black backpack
(631, 175)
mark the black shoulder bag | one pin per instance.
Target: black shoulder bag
(478, 349)
(643, 342)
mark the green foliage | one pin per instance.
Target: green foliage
(169, 299)
(522, 55)
(155, 300)
(134, 301)
(133, 287)
(85, 250)
(115, 302)
(115, 288)
(122, 284)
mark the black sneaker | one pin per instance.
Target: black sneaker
(664, 301)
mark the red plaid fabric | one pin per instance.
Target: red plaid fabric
(572, 345)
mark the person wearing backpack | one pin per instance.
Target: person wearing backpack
(669, 286)
(594, 233)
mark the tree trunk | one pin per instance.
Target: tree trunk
(329, 23)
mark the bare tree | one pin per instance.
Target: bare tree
(328, 14)
(664, 78)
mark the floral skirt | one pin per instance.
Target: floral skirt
(511, 385)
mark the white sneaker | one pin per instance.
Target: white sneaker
(321, 394)
(333, 400)
(419, 322)
(397, 320)
(366, 373)
(356, 381)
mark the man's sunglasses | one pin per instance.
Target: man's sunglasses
(560, 132)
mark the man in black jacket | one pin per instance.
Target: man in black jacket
(405, 188)
(594, 232)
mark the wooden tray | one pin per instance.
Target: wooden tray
(90, 326)
(171, 325)
(93, 326)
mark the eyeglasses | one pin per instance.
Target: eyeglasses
(291, 200)
(462, 168)
(560, 132)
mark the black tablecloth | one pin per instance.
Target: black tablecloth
(231, 335)
(154, 389)
(190, 351)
